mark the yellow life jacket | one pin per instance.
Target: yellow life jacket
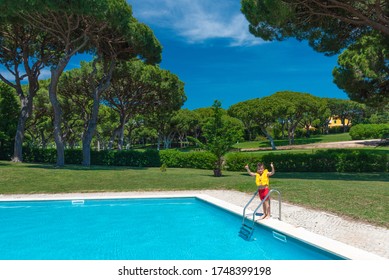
(262, 180)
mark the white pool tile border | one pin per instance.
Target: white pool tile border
(319, 241)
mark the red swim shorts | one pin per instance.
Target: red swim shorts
(263, 193)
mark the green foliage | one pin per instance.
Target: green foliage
(249, 112)
(363, 70)
(335, 160)
(31, 154)
(369, 131)
(220, 134)
(295, 108)
(199, 160)
(331, 27)
(237, 161)
(9, 113)
(148, 158)
(328, 27)
(132, 158)
(163, 167)
(358, 161)
(320, 161)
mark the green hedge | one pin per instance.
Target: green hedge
(334, 160)
(369, 131)
(149, 158)
(199, 160)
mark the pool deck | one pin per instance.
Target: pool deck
(350, 239)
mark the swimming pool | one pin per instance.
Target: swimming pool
(139, 229)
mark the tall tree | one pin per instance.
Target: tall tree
(202, 115)
(346, 110)
(23, 52)
(220, 133)
(168, 97)
(330, 27)
(39, 127)
(363, 70)
(245, 112)
(265, 114)
(292, 107)
(186, 123)
(121, 42)
(83, 25)
(130, 94)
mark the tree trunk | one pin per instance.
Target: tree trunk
(264, 131)
(217, 172)
(121, 133)
(90, 131)
(55, 74)
(92, 123)
(26, 110)
(159, 142)
(291, 133)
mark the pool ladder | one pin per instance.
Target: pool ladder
(247, 228)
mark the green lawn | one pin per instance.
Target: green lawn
(358, 196)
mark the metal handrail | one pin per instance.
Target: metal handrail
(256, 209)
(260, 204)
(248, 203)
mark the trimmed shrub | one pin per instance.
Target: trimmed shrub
(39, 155)
(73, 156)
(336, 160)
(237, 161)
(361, 161)
(199, 160)
(148, 158)
(369, 131)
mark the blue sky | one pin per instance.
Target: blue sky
(207, 44)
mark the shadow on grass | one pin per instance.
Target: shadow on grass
(213, 176)
(286, 142)
(384, 177)
(84, 168)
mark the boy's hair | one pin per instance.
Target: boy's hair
(260, 165)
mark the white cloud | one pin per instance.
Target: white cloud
(197, 20)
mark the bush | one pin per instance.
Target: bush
(237, 161)
(360, 161)
(6, 150)
(200, 160)
(148, 158)
(334, 160)
(73, 156)
(369, 131)
(39, 155)
(321, 161)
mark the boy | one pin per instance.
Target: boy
(262, 181)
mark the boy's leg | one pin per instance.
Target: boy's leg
(266, 209)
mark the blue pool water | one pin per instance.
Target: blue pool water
(139, 229)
